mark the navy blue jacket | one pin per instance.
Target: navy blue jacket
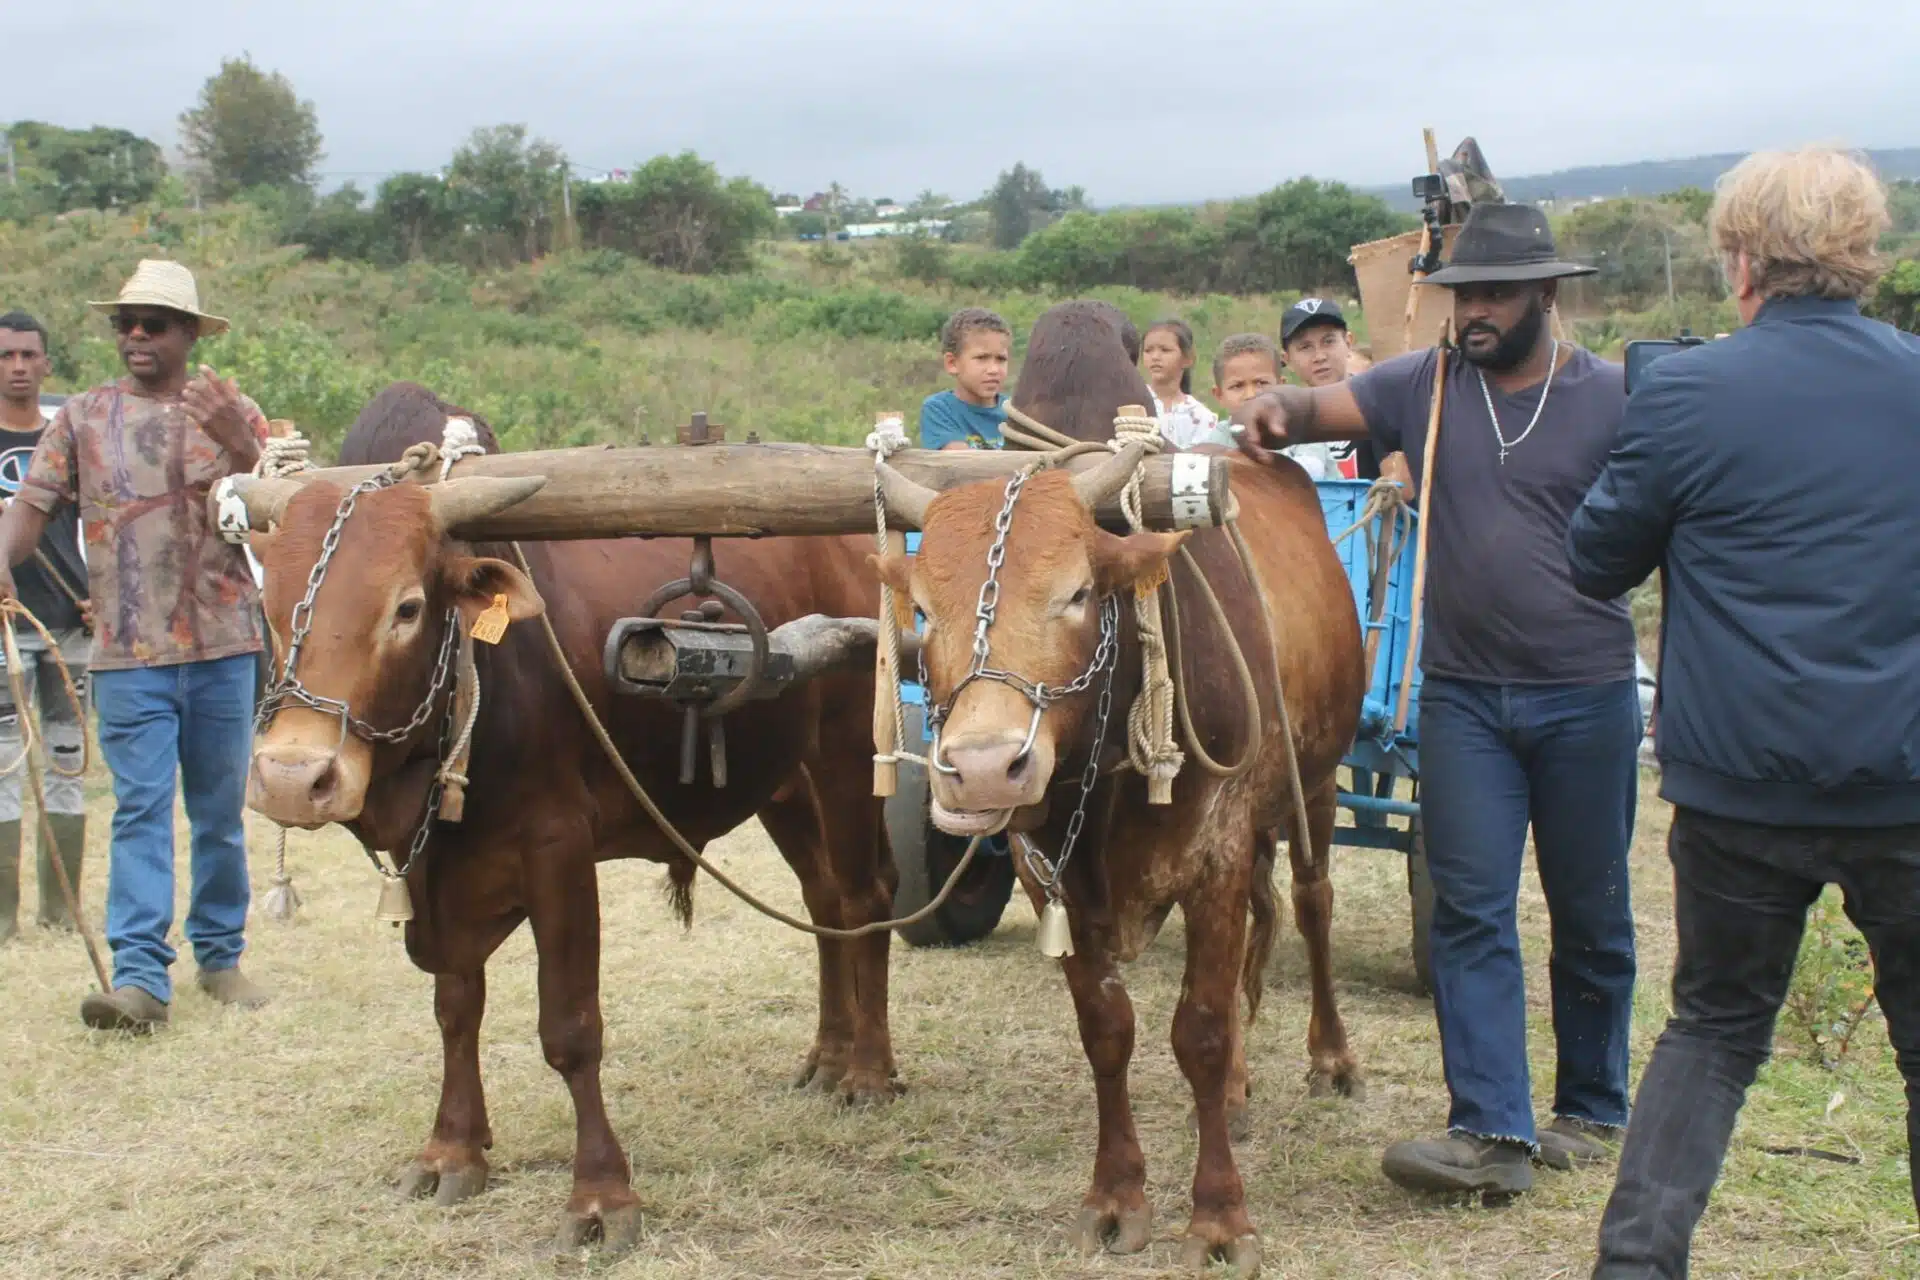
(1774, 475)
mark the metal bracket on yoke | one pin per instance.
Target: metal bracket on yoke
(704, 666)
(1192, 500)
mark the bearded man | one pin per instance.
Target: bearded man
(1528, 711)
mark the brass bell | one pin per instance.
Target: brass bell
(1056, 939)
(396, 905)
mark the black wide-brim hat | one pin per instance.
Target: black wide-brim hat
(1504, 242)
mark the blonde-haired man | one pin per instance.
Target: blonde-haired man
(1790, 660)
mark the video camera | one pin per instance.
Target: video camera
(1644, 351)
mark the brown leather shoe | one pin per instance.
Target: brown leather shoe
(1569, 1143)
(1459, 1164)
(232, 987)
(130, 1009)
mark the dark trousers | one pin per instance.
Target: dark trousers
(1741, 894)
(1495, 759)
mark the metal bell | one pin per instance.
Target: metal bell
(396, 905)
(1056, 939)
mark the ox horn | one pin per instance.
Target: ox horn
(909, 497)
(266, 500)
(1096, 485)
(463, 501)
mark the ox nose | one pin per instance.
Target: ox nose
(295, 786)
(993, 772)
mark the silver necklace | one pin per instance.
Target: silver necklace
(1508, 446)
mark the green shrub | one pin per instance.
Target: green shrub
(1832, 992)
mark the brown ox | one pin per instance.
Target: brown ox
(544, 805)
(1204, 852)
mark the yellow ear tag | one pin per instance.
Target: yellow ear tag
(492, 622)
(1145, 587)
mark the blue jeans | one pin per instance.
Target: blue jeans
(195, 718)
(1494, 758)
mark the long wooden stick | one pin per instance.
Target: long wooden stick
(30, 739)
(1426, 521)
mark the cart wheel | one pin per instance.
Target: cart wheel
(1420, 892)
(925, 856)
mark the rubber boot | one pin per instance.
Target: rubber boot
(70, 829)
(9, 880)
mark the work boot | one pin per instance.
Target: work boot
(230, 986)
(1569, 1143)
(9, 881)
(70, 830)
(130, 1009)
(1459, 1164)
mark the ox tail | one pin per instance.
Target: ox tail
(677, 885)
(1266, 919)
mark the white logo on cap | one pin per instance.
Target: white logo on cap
(1310, 305)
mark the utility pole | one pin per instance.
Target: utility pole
(566, 202)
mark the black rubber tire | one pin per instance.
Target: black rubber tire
(925, 856)
(1420, 896)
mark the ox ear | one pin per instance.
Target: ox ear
(476, 580)
(1139, 559)
(895, 571)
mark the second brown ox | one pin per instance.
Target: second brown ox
(544, 805)
(996, 766)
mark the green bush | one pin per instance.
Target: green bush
(858, 313)
(1832, 992)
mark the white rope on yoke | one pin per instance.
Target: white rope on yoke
(1150, 744)
(458, 439)
(889, 437)
(282, 456)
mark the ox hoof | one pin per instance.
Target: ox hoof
(1239, 1123)
(615, 1230)
(1343, 1081)
(1113, 1229)
(819, 1074)
(868, 1089)
(446, 1186)
(1242, 1255)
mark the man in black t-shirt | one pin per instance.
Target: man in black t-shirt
(1528, 713)
(53, 585)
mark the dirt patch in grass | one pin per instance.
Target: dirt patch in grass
(263, 1145)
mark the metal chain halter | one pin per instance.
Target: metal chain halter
(1040, 695)
(286, 687)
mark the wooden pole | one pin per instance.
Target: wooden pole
(753, 490)
(1427, 455)
(886, 735)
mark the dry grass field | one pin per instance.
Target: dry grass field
(263, 1145)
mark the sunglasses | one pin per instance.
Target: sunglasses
(153, 326)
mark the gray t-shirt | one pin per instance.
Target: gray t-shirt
(1500, 601)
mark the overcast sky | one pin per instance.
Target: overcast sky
(1135, 102)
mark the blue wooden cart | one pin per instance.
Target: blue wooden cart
(1378, 811)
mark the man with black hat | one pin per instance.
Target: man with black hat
(1528, 711)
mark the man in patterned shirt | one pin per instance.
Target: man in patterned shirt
(176, 628)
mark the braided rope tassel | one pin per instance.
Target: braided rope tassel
(1150, 744)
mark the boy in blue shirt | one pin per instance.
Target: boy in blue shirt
(976, 346)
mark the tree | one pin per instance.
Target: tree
(678, 213)
(250, 129)
(59, 169)
(507, 187)
(1298, 235)
(1897, 300)
(1018, 202)
(928, 203)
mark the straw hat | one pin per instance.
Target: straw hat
(157, 282)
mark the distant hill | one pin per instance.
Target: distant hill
(1642, 178)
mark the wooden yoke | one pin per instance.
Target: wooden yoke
(739, 490)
